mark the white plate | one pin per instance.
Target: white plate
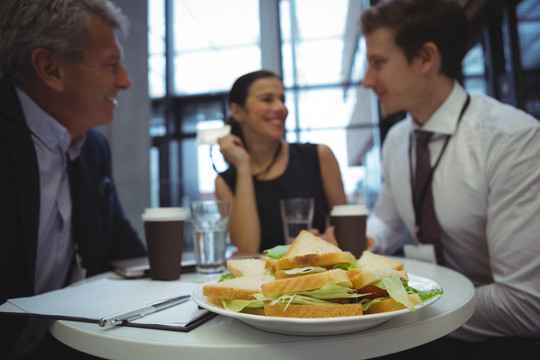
(319, 326)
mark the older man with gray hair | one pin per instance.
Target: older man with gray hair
(60, 216)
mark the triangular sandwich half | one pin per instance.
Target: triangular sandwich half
(310, 250)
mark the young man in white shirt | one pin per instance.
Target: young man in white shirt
(485, 171)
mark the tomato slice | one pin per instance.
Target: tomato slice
(373, 291)
(340, 301)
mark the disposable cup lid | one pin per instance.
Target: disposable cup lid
(349, 210)
(164, 209)
(163, 214)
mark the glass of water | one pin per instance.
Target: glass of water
(209, 220)
(297, 215)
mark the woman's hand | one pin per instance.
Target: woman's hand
(369, 242)
(233, 150)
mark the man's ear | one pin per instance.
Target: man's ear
(49, 68)
(431, 57)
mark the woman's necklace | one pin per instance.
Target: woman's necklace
(272, 163)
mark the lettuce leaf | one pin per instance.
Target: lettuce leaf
(239, 305)
(277, 252)
(318, 269)
(346, 266)
(396, 290)
(424, 295)
(312, 297)
(331, 291)
(226, 277)
(305, 270)
(299, 299)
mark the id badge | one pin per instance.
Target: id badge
(424, 252)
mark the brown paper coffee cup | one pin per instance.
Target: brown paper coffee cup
(349, 223)
(164, 230)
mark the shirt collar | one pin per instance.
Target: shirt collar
(47, 130)
(444, 120)
(75, 147)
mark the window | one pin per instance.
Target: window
(213, 48)
(474, 70)
(528, 22)
(312, 41)
(210, 49)
(156, 49)
(325, 107)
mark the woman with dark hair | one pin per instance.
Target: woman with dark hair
(265, 168)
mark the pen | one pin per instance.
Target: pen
(142, 311)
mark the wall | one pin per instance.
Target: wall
(128, 134)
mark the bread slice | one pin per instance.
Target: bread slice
(369, 260)
(240, 288)
(391, 305)
(308, 249)
(306, 282)
(246, 267)
(313, 311)
(363, 278)
(270, 264)
(282, 274)
(214, 300)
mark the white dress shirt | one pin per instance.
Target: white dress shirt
(486, 192)
(52, 142)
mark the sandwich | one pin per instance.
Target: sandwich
(310, 250)
(235, 290)
(307, 272)
(338, 292)
(308, 254)
(312, 278)
(310, 282)
(383, 283)
(318, 295)
(383, 290)
(238, 294)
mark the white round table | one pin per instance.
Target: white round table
(226, 338)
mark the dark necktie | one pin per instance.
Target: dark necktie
(428, 232)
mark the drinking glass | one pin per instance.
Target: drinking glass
(209, 219)
(297, 215)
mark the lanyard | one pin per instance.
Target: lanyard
(418, 206)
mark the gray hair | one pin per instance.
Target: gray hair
(57, 25)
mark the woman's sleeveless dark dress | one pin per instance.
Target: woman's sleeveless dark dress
(302, 178)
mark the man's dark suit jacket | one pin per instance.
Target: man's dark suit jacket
(100, 226)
